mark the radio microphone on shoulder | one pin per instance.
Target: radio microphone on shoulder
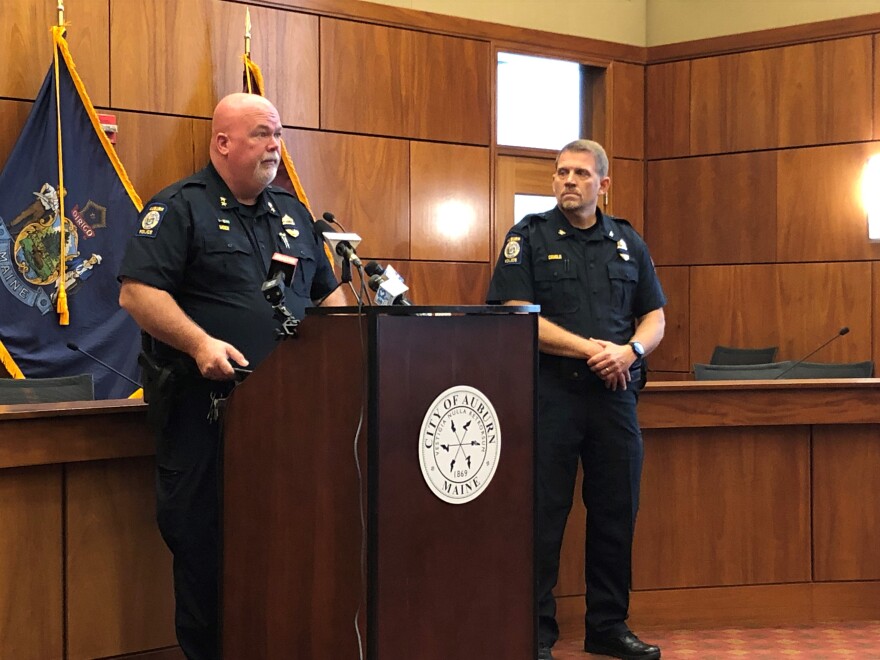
(77, 349)
(840, 333)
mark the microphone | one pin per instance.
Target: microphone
(840, 333)
(342, 244)
(388, 284)
(77, 349)
(281, 270)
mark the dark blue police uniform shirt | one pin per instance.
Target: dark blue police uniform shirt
(593, 282)
(212, 254)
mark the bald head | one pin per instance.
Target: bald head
(245, 144)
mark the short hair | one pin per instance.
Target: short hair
(588, 147)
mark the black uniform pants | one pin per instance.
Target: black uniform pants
(581, 420)
(188, 483)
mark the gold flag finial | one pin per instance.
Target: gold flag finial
(60, 13)
(247, 32)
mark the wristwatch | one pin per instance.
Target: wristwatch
(638, 349)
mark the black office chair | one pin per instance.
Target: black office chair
(733, 355)
(831, 370)
(47, 390)
(767, 371)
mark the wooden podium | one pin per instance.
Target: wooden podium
(328, 518)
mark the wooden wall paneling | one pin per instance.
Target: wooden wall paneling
(733, 102)
(157, 150)
(363, 181)
(820, 215)
(597, 101)
(13, 115)
(445, 283)
(409, 76)
(627, 193)
(201, 131)
(667, 120)
(285, 46)
(627, 110)
(846, 523)
(793, 306)
(352, 53)
(876, 80)
(673, 354)
(825, 92)
(26, 50)
(875, 314)
(113, 540)
(516, 175)
(188, 56)
(712, 210)
(30, 563)
(449, 198)
(162, 56)
(755, 606)
(742, 508)
(450, 89)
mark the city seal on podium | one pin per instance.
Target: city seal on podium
(459, 444)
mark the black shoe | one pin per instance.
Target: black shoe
(544, 652)
(626, 646)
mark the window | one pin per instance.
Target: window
(525, 204)
(539, 101)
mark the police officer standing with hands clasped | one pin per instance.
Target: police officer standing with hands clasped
(601, 313)
(192, 278)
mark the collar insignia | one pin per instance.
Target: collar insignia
(223, 202)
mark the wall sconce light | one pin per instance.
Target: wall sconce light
(871, 195)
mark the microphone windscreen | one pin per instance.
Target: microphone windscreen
(373, 268)
(72, 346)
(844, 330)
(374, 282)
(329, 217)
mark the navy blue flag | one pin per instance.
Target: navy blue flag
(99, 209)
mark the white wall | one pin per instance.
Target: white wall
(645, 22)
(671, 21)
(621, 21)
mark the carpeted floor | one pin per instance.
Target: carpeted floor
(858, 640)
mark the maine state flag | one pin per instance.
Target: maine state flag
(62, 237)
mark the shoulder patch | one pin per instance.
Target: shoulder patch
(513, 250)
(151, 218)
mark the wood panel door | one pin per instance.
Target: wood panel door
(518, 176)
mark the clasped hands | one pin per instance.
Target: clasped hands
(612, 363)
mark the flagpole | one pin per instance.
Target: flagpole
(61, 305)
(247, 48)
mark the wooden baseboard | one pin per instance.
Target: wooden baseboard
(169, 653)
(747, 606)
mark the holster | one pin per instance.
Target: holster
(162, 380)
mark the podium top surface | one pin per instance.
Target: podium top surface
(413, 310)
